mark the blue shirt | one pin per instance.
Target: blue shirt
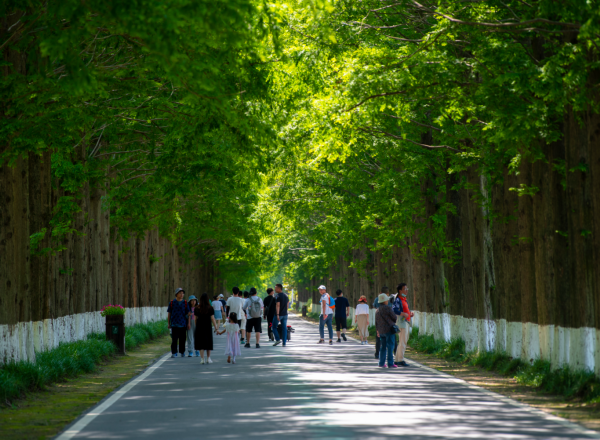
(179, 311)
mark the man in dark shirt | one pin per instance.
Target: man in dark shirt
(270, 310)
(281, 315)
(342, 310)
(177, 318)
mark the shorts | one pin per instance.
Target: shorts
(254, 323)
(242, 323)
(340, 323)
(218, 314)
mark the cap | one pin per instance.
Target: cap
(322, 287)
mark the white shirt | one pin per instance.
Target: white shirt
(235, 304)
(217, 305)
(362, 309)
(247, 304)
(324, 298)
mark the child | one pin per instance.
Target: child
(232, 349)
(192, 301)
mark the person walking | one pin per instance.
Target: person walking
(218, 307)
(232, 348)
(385, 319)
(222, 299)
(177, 319)
(404, 314)
(235, 304)
(342, 311)
(361, 318)
(204, 315)
(281, 315)
(326, 316)
(191, 328)
(254, 310)
(270, 309)
(244, 297)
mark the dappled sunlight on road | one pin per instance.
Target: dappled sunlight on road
(306, 390)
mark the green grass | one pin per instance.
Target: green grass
(68, 360)
(563, 381)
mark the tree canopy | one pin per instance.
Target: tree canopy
(276, 137)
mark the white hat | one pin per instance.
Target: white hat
(383, 298)
(322, 287)
(221, 295)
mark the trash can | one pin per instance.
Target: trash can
(304, 311)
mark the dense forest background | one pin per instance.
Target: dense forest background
(450, 145)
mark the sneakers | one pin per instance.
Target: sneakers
(209, 361)
(228, 359)
(201, 361)
(393, 366)
(190, 354)
(321, 341)
(174, 355)
(383, 366)
(242, 341)
(344, 336)
(403, 364)
(247, 345)
(197, 353)
(339, 341)
(276, 343)
(330, 342)
(257, 345)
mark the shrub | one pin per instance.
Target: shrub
(111, 309)
(69, 360)
(563, 381)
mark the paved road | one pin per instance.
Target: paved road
(307, 391)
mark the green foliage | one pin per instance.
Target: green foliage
(69, 360)
(142, 333)
(112, 310)
(563, 381)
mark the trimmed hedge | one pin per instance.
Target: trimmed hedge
(563, 381)
(69, 360)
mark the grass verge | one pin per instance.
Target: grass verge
(584, 385)
(68, 360)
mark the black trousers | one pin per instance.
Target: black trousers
(269, 322)
(178, 334)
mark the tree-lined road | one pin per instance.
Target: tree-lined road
(306, 391)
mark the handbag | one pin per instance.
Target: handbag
(395, 329)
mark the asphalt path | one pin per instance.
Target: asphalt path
(307, 391)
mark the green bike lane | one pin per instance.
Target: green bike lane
(307, 391)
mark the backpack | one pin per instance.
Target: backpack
(331, 304)
(255, 309)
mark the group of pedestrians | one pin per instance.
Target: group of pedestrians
(392, 317)
(192, 321)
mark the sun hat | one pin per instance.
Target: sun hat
(383, 298)
(322, 287)
(191, 297)
(179, 289)
(362, 299)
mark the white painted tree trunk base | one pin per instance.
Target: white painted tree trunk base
(21, 341)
